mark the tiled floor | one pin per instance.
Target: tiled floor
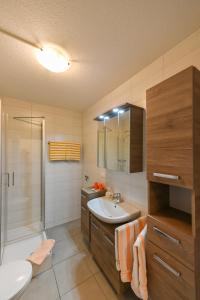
(74, 275)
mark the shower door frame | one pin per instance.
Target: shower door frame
(42, 189)
(1, 204)
(43, 175)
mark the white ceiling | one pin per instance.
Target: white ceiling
(109, 41)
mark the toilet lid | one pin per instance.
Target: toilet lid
(14, 276)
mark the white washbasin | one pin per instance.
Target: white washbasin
(105, 210)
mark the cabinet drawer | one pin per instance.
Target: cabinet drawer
(109, 248)
(112, 274)
(102, 246)
(167, 278)
(179, 245)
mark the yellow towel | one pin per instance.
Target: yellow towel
(42, 252)
(139, 276)
(125, 236)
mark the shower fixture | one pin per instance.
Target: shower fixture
(27, 120)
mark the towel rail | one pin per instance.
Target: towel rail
(66, 151)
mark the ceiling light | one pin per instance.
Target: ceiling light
(121, 111)
(106, 118)
(53, 58)
(115, 110)
(101, 117)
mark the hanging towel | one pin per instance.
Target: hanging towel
(125, 237)
(139, 276)
(42, 252)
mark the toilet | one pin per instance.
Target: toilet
(14, 278)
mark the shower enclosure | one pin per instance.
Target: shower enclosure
(22, 173)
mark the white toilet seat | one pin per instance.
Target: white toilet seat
(14, 277)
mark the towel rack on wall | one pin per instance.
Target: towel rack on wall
(65, 151)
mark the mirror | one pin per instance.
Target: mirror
(119, 138)
(101, 145)
(111, 127)
(124, 141)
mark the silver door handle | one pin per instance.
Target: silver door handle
(8, 181)
(95, 226)
(13, 178)
(165, 235)
(108, 240)
(166, 266)
(168, 176)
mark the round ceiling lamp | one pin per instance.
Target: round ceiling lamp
(53, 58)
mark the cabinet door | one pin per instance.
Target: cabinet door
(96, 240)
(170, 130)
(118, 142)
(85, 221)
(111, 127)
(101, 145)
(124, 142)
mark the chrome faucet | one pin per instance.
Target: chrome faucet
(117, 198)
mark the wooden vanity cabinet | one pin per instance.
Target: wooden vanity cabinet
(85, 218)
(87, 195)
(173, 159)
(102, 245)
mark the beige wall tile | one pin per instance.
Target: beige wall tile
(134, 186)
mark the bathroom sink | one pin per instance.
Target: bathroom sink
(105, 210)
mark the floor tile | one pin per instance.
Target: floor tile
(89, 290)
(77, 275)
(91, 263)
(61, 232)
(71, 272)
(42, 287)
(79, 241)
(105, 286)
(57, 233)
(67, 247)
(109, 292)
(74, 227)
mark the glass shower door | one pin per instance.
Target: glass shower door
(24, 176)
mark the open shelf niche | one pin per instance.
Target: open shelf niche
(168, 210)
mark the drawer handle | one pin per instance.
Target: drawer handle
(166, 266)
(95, 226)
(83, 208)
(108, 240)
(168, 176)
(165, 235)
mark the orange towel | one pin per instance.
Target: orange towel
(139, 275)
(125, 236)
(42, 252)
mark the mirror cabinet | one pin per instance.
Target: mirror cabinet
(120, 139)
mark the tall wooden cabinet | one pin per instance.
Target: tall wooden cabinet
(173, 159)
